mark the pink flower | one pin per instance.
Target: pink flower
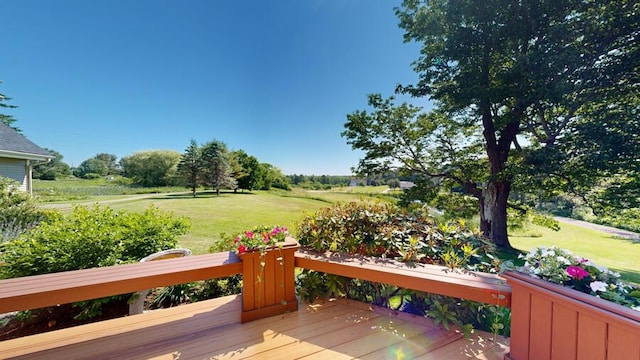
(577, 272)
(249, 234)
(236, 240)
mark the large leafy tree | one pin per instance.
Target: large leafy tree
(152, 167)
(110, 162)
(91, 168)
(190, 166)
(52, 169)
(533, 94)
(216, 166)
(248, 179)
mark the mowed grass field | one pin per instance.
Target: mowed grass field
(216, 217)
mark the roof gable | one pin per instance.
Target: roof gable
(16, 145)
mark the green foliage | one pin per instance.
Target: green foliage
(72, 189)
(249, 177)
(110, 162)
(628, 219)
(93, 308)
(270, 176)
(90, 238)
(91, 169)
(173, 296)
(544, 71)
(152, 168)
(53, 169)
(383, 229)
(441, 314)
(328, 181)
(19, 212)
(521, 218)
(190, 166)
(217, 171)
(4, 118)
(196, 291)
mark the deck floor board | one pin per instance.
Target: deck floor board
(339, 329)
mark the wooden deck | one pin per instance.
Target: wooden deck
(339, 329)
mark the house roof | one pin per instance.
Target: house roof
(17, 146)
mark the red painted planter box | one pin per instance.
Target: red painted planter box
(550, 321)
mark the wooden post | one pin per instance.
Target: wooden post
(268, 282)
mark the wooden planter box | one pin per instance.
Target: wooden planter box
(269, 290)
(550, 321)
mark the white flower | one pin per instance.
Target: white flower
(598, 286)
(548, 252)
(614, 274)
(636, 308)
(564, 260)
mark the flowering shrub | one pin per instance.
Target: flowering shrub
(561, 267)
(259, 238)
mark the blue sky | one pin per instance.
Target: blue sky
(273, 78)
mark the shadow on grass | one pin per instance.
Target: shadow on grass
(629, 275)
(202, 195)
(633, 241)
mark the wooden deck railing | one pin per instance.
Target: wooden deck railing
(272, 294)
(38, 291)
(476, 286)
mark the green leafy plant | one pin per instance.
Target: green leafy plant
(383, 229)
(560, 266)
(19, 212)
(90, 237)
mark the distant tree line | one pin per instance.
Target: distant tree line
(319, 182)
(214, 166)
(211, 165)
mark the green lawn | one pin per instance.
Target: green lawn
(230, 213)
(618, 254)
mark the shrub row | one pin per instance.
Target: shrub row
(90, 237)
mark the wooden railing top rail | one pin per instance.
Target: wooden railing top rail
(70, 286)
(477, 286)
(66, 287)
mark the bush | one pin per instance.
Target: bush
(19, 212)
(383, 229)
(90, 238)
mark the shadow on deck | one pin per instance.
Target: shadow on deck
(338, 329)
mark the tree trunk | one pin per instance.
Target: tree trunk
(493, 213)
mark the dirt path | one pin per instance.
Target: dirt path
(607, 229)
(68, 206)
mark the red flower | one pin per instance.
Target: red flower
(241, 249)
(577, 272)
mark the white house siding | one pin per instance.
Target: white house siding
(15, 169)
